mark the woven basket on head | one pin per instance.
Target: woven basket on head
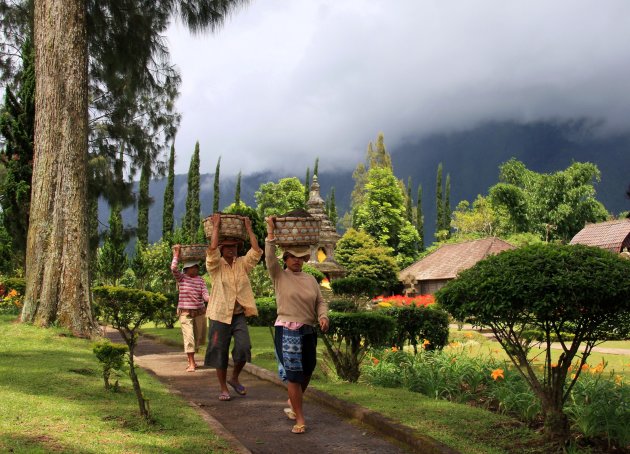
(298, 231)
(192, 252)
(232, 226)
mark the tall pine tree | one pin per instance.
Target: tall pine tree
(144, 200)
(307, 184)
(409, 201)
(316, 167)
(332, 208)
(237, 192)
(446, 223)
(168, 220)
(216, 187)
(439, 201)
(193, 206)
(420, 219)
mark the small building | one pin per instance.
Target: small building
(323, 254)
(431, 273)
(611, 235)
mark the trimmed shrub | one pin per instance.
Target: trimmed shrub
(354, 286)
(342, 306)
(126, 309)
(111, 357)
(318, 275)
(418, 324)
(350, 337)
(167, 314)
(267, 314)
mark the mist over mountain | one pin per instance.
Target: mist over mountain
(471, 157)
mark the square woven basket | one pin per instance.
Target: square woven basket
(192, 252)
(297, 231)
(232, 226)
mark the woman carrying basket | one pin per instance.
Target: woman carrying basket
(300, 307)
(231, 300)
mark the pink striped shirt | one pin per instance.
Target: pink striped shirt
(192, 290)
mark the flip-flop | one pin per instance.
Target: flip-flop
(290, 414)
(224, 397)
(240, 389)
(299, 429)
(191, 369)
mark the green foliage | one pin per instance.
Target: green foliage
(331, 212)
(555, 206)
(382, 212)
(192, 219)
(342, 306)
(267, 314)
(318, 275)
(261, 282)
(11, 295)
(7, 257)
(111, 356)
(362, 257)
(354, 286)
(408, 245)
(554, 289)
(14, 283)
(351, 335)
(237, 191)
(17, 123)
(216, 187)
(111, 257)
(419, 219)
(168, 220)
(482, 219)
(439, 201)
(167, 314)
(279, 198)
(416, 324)
(307, 184)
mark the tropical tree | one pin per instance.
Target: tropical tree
(575, 295)
(57, 247)
(480, 219)
(556, 206)
(279, 198)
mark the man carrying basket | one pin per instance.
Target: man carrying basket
(231, 300)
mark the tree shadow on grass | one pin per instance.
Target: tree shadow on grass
(35, 443)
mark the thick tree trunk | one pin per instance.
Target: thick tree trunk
(57, 284)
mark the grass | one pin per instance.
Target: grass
(53, 400)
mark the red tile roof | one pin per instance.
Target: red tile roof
(450, 259)
(611, 235)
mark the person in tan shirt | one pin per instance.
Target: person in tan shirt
(300, 307)
(231, 300)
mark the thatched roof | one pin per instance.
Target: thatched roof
(450, 259)
(611, 235)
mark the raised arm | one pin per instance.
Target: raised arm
(252, 236)
(178, 275)
(216, 222)
(273, 265)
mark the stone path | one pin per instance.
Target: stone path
(256, 422)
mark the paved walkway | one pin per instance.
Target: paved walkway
(256, 423)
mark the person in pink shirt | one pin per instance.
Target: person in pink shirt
(191, 309)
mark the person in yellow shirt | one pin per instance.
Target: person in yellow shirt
(231, 300)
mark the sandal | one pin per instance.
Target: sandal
(240, 389)
(290, 413)
(299, 429)
(224, 397)
(191, 368)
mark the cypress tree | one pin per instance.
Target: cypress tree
(307, 184)
(193, 207)
(420, 219)
(169, 198)
(439, 203)
(237, 193)
(144, 201)
(446, 223)
(409, 201)
(217, 189)
(332, 209)
(316, 168)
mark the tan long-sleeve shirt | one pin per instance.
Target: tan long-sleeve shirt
(298, 296)
(230, 284)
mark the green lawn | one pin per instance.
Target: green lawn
(52, 400)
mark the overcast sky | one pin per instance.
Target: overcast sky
(285, 81)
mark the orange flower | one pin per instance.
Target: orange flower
(375, 361)
(585, 367)
(426, 343)
(496, 374)
(12, 293)
(598, 369)
(618, 380)
(394, 349)
(554, 365)
(572, 376)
